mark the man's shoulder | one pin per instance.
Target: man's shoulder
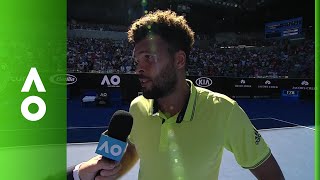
(216, 97)
(139, 102)
(138, 99)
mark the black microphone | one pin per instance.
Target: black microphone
(113, 142)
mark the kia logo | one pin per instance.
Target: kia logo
(203, 82)
(63, 79)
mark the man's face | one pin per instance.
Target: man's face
(155, 67)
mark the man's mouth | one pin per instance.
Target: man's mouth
(143, 81)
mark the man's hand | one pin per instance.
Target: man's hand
(99, 168)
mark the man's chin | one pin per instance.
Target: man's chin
(147, 95)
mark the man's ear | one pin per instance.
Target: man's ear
(180, 59)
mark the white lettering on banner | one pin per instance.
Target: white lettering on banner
(113, 82)
(33, 76)
(268, 87)
(115, 150)
(203, 82)
(303, 88)
(243, 86)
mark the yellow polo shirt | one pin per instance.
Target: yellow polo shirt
(193, 148)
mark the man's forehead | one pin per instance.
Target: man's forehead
(149, 44)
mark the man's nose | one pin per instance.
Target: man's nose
(140, 68)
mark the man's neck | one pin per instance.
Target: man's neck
(173, 103)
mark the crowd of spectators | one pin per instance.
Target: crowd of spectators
(273, 58)
(98, 27)
(99, 55)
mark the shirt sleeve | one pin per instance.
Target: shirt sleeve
(244, 141)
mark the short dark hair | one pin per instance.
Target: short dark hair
(166, 24)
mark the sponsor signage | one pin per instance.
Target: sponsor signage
(268, 84)
(304, 85)
(113, 81)
(243, 84)
(203, 82)
(63, 79)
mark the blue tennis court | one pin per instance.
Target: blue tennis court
(86, 123)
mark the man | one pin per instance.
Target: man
(179, 130)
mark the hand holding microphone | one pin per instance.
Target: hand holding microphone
(111, 148)
(99, 168)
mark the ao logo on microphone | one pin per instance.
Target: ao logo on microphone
(203, 82)
(111, 148)
(114, 81)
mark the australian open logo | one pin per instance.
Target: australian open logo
(203, 82)
(63, 79)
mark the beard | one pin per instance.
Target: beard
(163, 84)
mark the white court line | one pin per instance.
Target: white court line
(28, 146)
(83, 143)
(293, 123)
(282, 128)
(254, 119)
(88, 127)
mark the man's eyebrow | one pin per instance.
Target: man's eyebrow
(140, 52)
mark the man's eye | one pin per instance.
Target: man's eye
(147, 56)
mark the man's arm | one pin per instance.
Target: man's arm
(269, 170)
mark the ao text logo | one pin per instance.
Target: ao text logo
(63, 79)
(111, 148)
(203, 82)
(33, 76)
(114, 81)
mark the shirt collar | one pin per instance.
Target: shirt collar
(188, 110)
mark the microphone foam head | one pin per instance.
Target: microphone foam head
(120, 125)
